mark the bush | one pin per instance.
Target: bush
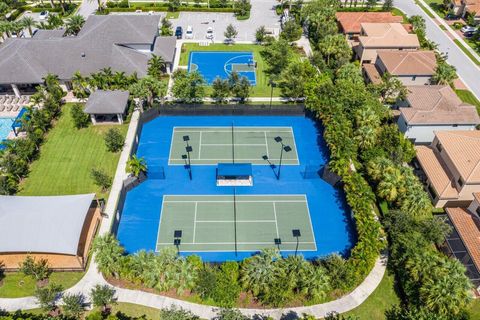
(73, 305)
(39, 270)
(101, 179)
(114, 140)
(47, 296)
(102, 296)
(177, 314)
(80, 118)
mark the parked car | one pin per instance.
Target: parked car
(209, 34)
(179, 32)
(189, 33)
(466, 29)
(43, 15)
(17, 35)
(451, 16)
(469, 34)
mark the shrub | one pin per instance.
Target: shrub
(291, 31)
(114, 140)
(102, 296)
(80, 118)
(177, 314)
(73, 305)
(101, 179)
(39, 270)
(47, 296)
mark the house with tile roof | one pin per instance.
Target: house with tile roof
(120, 42)
(410, 67)
(383, 36)
(463, 242)
(462, 7)
(430, 109)
(450, 167)
(350, 22)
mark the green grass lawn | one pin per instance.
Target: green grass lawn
(383, 298)
(437, 6)
(67, 157)
(16, 284)
(262, 89)
(468, 97)
(468, 53)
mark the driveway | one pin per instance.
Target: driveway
(468, 71)
(262, 13)
(87, 8)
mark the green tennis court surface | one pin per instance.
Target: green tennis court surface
(211, 145)
(208, 222)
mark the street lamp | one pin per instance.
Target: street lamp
(296, 234)
(283, 148)
(177, 235)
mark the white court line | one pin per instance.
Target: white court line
(295, 146)
(240, 131)
(160, 222)
(238, 221)
(310, 220)
(242, 159)
(200, 147)
(235, 144)
(276, 223)
(266, 144)
(195, 221)
(231, 201)
(223, 243)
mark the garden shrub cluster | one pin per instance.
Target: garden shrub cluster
(19, 153)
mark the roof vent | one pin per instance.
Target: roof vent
(83, 54)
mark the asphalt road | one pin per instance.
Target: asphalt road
(468, 71)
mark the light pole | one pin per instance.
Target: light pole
(177, 239)
(277, 242)
(283, 148)
(189, 149)
(296, 234)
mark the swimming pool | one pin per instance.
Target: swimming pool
(212, 64)
(5, 127)
(170, 201)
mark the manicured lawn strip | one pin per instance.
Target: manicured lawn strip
(468, 97)
(262, 89)
(382, 299)
(468, 53)
(437, 6)
(16, 284)
(425, 9)
(474, 310)
(173, 15)
(67, 157)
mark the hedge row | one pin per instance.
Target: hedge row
(163, 9)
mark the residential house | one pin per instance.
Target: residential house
(430, 109)
(410, 67)
(462, 7)
(463, 242)
(350, 22)
(383, 36)
(121, 42)
(450, 167)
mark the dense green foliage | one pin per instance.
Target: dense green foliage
(80, 118)
(188, 87)
(15, 158)
(114, 140)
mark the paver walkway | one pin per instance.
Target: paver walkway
(93, 277)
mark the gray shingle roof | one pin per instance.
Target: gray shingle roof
(50, 224)
(107, 102)
(165, 48)
(97, 46)
(41, 34)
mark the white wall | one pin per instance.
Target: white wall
(425, 134)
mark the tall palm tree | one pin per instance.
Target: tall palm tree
(391, 185)
(74, 24)
(259, 271)
(29, 23)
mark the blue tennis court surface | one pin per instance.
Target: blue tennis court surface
(271, 209)
(212, 64)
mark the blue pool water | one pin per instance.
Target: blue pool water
(212, 64)
(140, 217)
(5, 127)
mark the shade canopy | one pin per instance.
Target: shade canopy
(47, 224)
(234, 169)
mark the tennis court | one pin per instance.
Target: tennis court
(213, 64)
(248, 223)
(212, 145)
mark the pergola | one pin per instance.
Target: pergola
(107, 106)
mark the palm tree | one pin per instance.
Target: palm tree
(102, 296)
(366, 136)
(156, 65)
(80, 85)
(259, 271)
(4, 29)
(377, 167)
(108, 252)
(136, 166)
(74, 24)
(54, 21)
(445, 74)
(391, 185)
(29, 23)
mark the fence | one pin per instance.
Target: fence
(225, 109)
